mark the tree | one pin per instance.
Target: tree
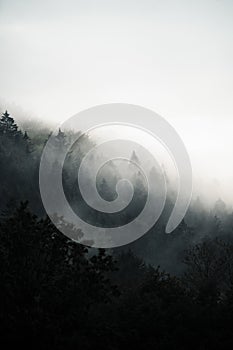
(8, 125)
(49, 283)
(105, 190)
(207, 266)
(60, 139)
(219, 208)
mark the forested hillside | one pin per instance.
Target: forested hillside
(162, 291)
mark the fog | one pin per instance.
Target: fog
(174, 57)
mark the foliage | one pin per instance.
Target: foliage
(57, 294)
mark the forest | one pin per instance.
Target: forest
(162, 291)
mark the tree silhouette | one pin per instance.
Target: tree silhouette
(8, 125)
(48, 282)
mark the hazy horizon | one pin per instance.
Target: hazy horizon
(174, 57)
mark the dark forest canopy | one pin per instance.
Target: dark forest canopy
(57, 294)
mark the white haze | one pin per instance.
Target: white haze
(175, 57)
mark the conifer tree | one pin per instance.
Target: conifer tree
(8, 125)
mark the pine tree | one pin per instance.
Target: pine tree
(25, 136)
(60, 139)
(8, 125)
(219, 208)
(134, 158)
(28, 143)
(105, 191)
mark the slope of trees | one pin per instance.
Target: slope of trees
(19, 163)
(48, 283)
(57, 294)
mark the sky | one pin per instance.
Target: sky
(174, 57)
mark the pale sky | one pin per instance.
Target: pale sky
(175, 57)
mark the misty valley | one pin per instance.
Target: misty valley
(162, 291)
